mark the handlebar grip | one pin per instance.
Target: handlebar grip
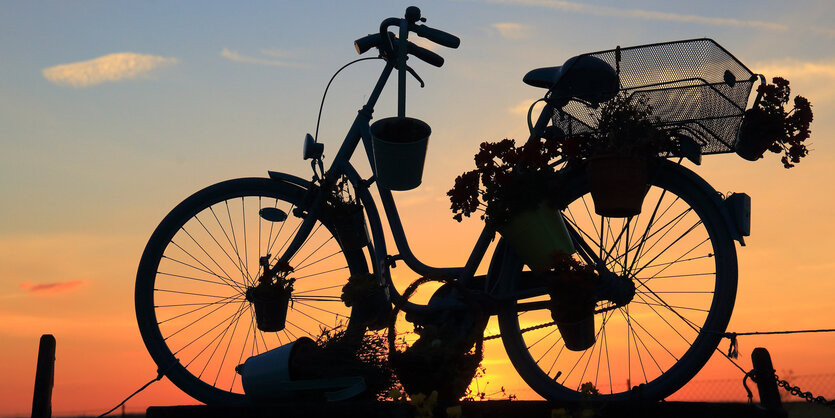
(425, 55)
(438, 36)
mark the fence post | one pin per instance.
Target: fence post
(766, 382)
(44, 378)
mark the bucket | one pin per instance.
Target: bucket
(264, 376)
(536, 235)
(399, 152)
(577, 335)
(271, 313)
(618, 185)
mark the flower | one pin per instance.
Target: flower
(781, 130)
(507, 179)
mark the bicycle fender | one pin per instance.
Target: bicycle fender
(290, 179)
(728, 211)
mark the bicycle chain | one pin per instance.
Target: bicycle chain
(522, 331)
(808, 396)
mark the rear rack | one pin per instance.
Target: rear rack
(695, 87)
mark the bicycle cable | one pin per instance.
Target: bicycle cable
(530, 111)
(322, 105)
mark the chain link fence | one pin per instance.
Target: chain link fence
(732, 390)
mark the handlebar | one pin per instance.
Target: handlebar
(437, 36)
(374, 40)
(388, 43)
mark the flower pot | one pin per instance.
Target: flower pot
(536, 235)
(271, 312)
(424, 373)
(373, 310)
(399, 152)
(578, 335)
(351, 230)
(618, 184)
(752, 140)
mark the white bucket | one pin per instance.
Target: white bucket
(265, 376)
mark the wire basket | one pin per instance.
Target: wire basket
(695, 87)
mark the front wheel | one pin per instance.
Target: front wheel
(191, 286)
(681, 259)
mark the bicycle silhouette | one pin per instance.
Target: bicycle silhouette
(676, 260)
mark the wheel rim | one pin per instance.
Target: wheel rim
(684, 273)
(191, 287)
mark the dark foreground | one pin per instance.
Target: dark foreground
(484, 409)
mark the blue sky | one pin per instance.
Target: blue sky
(236, 86)
(111, 112)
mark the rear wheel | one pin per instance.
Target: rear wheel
(191, 285)
(683, 264)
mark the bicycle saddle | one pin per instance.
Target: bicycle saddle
(583, 77)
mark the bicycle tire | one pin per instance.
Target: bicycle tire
(661, 313)
(190, 288)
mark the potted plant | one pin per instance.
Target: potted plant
(571, 286)
(437, 362)
(618, 154)
(271, 297)
(347, 215)
(369, 300)
(768, 126)
(509, 186)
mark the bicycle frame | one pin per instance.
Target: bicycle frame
(341, 165)
(382, 261)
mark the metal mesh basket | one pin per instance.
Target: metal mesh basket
(695, 88)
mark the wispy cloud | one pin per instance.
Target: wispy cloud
(51, 288)
(514, 31)
(109, 68)
(606, 11)
(237, 57)
(796, 68)
(812, 79)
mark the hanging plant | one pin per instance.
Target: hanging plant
(768, 126)
(507, 180)
(511, 186)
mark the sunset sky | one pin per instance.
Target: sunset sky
(112, 112)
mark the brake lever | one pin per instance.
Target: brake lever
(415, 75)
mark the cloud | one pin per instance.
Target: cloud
(812, 79)
(513, 31)
(51, 288)
(797, 68)
(235, 56)
(109, 68)
(606, 11)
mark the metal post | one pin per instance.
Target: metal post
(44, 378)
(766, 382)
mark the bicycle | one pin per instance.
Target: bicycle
(193, 291)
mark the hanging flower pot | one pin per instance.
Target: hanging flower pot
(369, 300)
(536, 235)
(399, 151)
(618, 184)
(769, 126)
(270, 308)
(754, 138)
(577, 334)
(572, 287)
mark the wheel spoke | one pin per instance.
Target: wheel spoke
(196, 294)
(668, 251)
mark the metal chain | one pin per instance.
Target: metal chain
(522, 331)
(808, 396)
